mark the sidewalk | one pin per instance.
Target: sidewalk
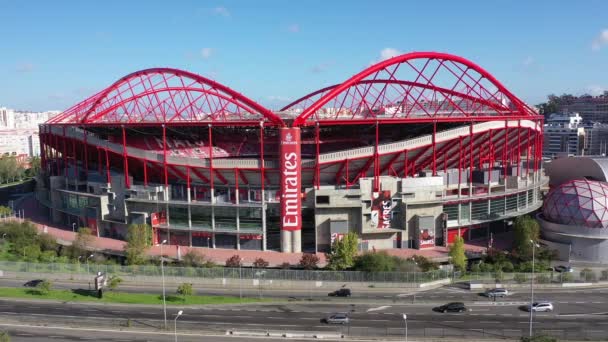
(216, 255)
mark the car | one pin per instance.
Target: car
(33, 283)
(337, 318)
(452, 307)
(497, 292)
(540, 307)
(340, 293)
(563, 269)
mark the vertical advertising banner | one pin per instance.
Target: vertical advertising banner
(382, 206)
(426, 225)
(291, 179)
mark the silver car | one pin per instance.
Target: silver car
(498, 292)
(337, 318)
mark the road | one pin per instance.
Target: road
(582, 318)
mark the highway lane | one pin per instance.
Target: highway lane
(366, 320)
(407, 295)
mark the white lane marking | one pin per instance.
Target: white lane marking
(453, 321)
(488, 322)
(378, 308)
(378, 320)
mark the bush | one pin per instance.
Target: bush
(260, 263)
(543, 279)
(375, 262)
(520, 278)
(285, 265)
(588, 275)
(539, 338)
(475, 268)
(309, 261)
(566, 277)
(498, 276)
(113, 282)
(483, 267)
(5, 337)
(185, 289)
(508, 267)
(48, 256)
(604, 275)
(234, 261)
(425, 264)
(44, 287)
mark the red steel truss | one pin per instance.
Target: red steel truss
(414, 87)
(170, 96)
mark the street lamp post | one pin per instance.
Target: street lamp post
(241, 278)
(162, 272)
(89, 257)
(405, 320)
(74, 227)
(532, 286)
(175, 323)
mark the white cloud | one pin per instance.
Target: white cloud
(220, 10)
(600, 40)
(206, 52)
(596, 90)
(25, 67)
(387, 53)
(279, 98)
(294, 28)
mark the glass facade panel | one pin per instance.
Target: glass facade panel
(479, 210)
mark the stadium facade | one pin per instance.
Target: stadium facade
(408, 153)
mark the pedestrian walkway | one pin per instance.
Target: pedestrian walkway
(36, 213)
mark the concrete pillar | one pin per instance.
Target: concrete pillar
(286, 242)
(296, 240)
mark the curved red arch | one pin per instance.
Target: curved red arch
(460, 69)
(164, 95)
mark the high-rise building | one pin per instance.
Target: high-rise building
(563, 134)
(590, 108)
(19, 131)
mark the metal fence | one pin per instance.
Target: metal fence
(228, 273)
(583, 275)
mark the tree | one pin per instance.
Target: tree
(343, 252)
(139, 239)
(184, 290)
(260, 263)
(83, 242)
(459, 259)
(234, 261)
(309, 261)
(524, 230)
(34, 167)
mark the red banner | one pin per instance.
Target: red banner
(291, 179)
(382, 207)
(92, 224)
(158, 218)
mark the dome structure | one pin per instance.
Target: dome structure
(578, 202)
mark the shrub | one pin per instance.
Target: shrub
(260, 263)
(520, 278)
(604, 275)
(588, 275)
(567, 277)
(48, 256)
(285, 265)
(309, 261)
(5, 337)
(475, 268)
(375, 262)
(234, 261)
(543, 279)
(185, 289)
(498, 276)
(425, 264)
(539, 338)
(44, 287)
(113, 282)
(483, 267)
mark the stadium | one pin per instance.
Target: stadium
(408, 153)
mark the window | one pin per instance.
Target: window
(322, 199)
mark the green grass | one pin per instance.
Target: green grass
(82, 295)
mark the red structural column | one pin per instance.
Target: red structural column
(145, 172)
(42, 135)
(108, 176)
(236, 185)
(377, 160)
(405, 163)
(86, 152)
(518, 146)
(459, 162)
(347, 176)
(210, 138)
(125, 158)
(99, 161)
(471, 153)
(262, 156)
(528, 154)
(65, 152)
(490, 161)
(504, 149)
(74, 160)
(434, 149)
(57, 172)
(165, 171)
(317, 166)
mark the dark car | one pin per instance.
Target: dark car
(563, 269)
(340, 293)
(33, 283)
(452, 307)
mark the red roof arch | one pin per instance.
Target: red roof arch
(418, 86)
(169, 96)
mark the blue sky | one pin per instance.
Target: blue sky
(55, 53)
